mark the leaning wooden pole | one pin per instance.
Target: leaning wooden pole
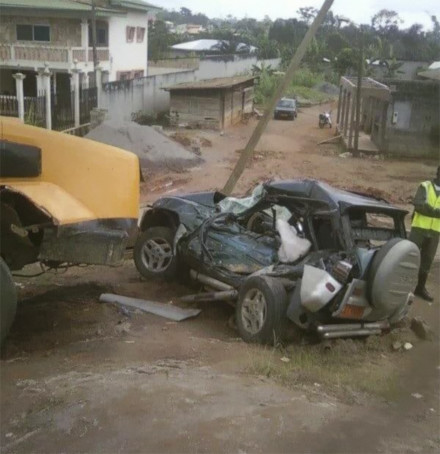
(359, 93)
(248, 152)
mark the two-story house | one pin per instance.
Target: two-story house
(57, 34)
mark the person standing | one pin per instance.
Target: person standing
(425, 229)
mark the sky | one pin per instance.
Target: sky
(359, 11)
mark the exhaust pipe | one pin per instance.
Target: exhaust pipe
(359, 332)
(351, 329)
(225, 295)
(210, 282)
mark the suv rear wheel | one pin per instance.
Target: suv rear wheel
(261, 310)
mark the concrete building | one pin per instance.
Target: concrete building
(213, 103)
(401, 117)
(189, 29)
(57, 34)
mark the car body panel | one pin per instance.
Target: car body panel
(104, 180)
(67, 199)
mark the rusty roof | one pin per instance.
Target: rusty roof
(220, 82)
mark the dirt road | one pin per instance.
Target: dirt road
(81, 376)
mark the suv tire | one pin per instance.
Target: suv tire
(154, 254)
(261, 310)
(8, 300)
(393, 275)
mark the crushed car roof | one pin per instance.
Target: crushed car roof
(333, 197)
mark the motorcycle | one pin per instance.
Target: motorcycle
(325, 119)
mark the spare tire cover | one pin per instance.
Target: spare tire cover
(393, 274)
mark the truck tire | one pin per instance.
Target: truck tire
(154, 254)
(8, 300)
(393, 275)
(261, 310)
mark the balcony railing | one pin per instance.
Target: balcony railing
(22, 53)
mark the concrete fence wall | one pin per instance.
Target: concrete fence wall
(122, 99)
(210, 69)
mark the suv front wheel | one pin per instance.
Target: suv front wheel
(154, 254)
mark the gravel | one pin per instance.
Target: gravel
(153, 147)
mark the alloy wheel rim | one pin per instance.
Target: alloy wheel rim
(254, 311)
(157, 254)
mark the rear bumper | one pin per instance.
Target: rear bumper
(97, 242)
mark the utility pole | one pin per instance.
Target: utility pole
(95, 53)
(248, 152)
(359, 92)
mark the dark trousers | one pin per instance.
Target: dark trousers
(427, 242)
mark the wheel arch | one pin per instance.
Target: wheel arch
(159, 217)
(18, 245)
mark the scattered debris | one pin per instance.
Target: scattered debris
(257, 113)
(205, 142)
(407, 346)
(397, 345)
(421, 329)
(163, 310)
(285, 359)
(347, 154)
(331, 140)
(417, 395)
(123, 328)
(20, 440)
(196, 146)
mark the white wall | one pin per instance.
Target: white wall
(123, 99)
(210, 69)
(127, 56)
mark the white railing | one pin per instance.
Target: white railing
(22, 53)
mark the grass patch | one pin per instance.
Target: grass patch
(348, 367)
(300, 87)
(308, 94)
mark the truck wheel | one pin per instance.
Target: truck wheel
(392, 275)
(8, 300)
(154, 253)
(261, 310)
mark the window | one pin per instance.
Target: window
(101, 37)
(138, 74)
(123, 75)
(29, 32)
(101, 34)
(140, 33)
(129, 31)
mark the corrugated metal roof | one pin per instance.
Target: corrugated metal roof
(63, 5)
(433, 74)
(206, 45)
(199, 45)
(220, 82)
(134, 4)
(71, 5)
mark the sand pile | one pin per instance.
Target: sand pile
(155, 150)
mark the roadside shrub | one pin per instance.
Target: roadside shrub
(266, 86)
(306, 78)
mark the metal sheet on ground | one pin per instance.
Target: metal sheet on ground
(163, 310)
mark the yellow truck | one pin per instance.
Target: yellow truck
(64, 201)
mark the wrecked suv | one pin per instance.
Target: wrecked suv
(330, 261)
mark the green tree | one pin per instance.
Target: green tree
(345, 61)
